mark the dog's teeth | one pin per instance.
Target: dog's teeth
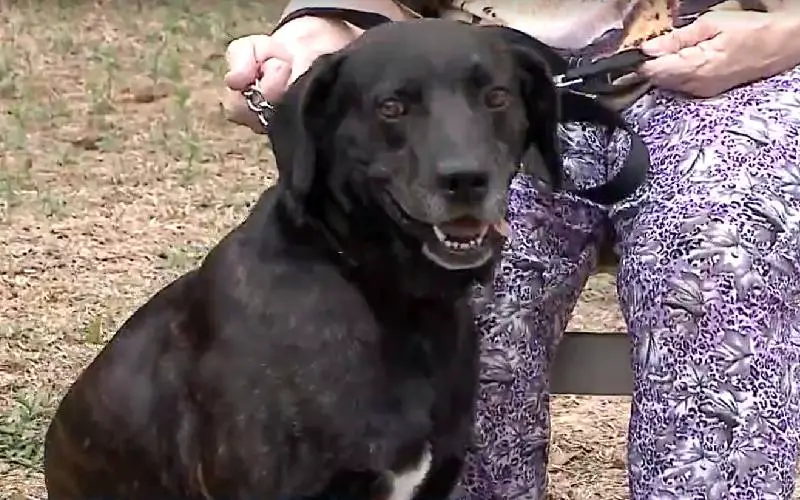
(460, 245)
(503, 229)
(440, 235)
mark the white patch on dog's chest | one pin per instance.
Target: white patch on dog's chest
(405, 484)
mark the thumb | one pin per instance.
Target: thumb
(275, 80)
(676, 40)
(246, 55)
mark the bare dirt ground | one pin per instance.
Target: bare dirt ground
(118, 172)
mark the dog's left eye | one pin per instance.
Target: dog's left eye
(391, 109)
(497, 98)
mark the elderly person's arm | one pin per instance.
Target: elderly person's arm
(273, 62)
(723, 50)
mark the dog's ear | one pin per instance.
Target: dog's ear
(298, 124)
(534, 63)
(543, 111)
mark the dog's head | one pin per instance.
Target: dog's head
(426, 121)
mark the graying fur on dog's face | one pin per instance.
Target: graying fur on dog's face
(428, 120)
(444, 83)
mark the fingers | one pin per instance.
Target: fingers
(275, 78)
(274, 62)
(254, 59)
(246, 55)
(681, 38)
(682, 71)
(236, 111)
(666, 72)
(272, 85)
(681, 53)
(686, 60)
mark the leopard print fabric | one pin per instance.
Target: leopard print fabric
(585, 27)
(709, 284)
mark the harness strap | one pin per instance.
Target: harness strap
(361, 19)
(633, 173)
(575, 105)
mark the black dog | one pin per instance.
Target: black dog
(325, 348)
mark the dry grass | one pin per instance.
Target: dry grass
(117, 173)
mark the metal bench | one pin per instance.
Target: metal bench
(595, 364)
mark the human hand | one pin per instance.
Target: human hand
(274, 62)
(722, 50)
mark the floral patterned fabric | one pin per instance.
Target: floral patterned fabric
(709, 284)
(709, 278)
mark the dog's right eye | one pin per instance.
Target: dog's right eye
(497, 98)
(391, 109)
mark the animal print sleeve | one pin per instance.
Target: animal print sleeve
(575, 27)
(584, 27)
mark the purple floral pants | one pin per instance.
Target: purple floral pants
(709, 284)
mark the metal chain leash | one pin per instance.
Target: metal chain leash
(259, 105)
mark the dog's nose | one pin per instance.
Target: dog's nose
(464, 186)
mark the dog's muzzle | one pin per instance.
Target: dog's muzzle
(460, 244)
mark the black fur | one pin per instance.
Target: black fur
(317, 348)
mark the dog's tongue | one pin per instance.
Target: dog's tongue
(464, 227)
(468, 227)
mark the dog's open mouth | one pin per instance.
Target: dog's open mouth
(459, 244)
